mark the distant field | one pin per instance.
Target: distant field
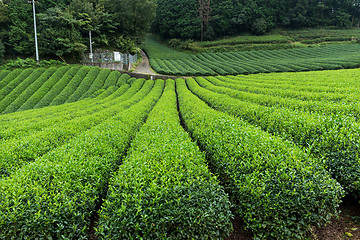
(279, 39)
(170, 62)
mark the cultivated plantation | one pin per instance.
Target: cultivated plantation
(86, 152)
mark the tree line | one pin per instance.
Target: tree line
(194, 19)
(63, 26)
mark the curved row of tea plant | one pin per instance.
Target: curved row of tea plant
(347, 97)
(278, 190)
(56, 195)
(249, 94)
(22, 150)
(27, 89)
(333, 140)
(163, 189)
(250, 62)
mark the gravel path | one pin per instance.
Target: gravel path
(144, 66)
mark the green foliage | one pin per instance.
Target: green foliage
(52, 137)
(13, 94)
(180, 19)
(29, 63)
(154, 49)
(62, 188)
(161, 197)
(334, 140)
(277, 189)
(2, 50)
(290, 60)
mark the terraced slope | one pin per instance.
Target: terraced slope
(178, 159)
(27, 89)
(250, 62)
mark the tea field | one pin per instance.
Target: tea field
(168, 61)
(88, 153)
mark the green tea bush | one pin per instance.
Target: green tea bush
(55, 196)
(29, 91)
(163, 189)
(17, 90)
(14, 82)
(112, 79)
(44, 89)
(278, 190)
(71, 86)
(57, 88)
(18, 152)
(84, 85)
(97, 84)
(333, 140)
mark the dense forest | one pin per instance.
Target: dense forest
(64, 25)
(186, 19)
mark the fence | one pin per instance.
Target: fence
(110, 57)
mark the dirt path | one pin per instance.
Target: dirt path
(144, 66)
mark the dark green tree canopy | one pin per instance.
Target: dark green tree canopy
(64, 25)
(180, 18)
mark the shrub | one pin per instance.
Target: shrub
(277, 189)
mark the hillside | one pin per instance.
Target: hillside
(170, 62)
(36, 88)
(179, 159)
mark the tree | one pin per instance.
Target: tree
(204, 14)
(60, 34)
(131, 19)
(177, 19)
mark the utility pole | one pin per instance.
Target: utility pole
(36, 42)
(91, 50)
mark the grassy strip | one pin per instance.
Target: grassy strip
(55, 196)
(333, 140)
(277, 189)
(163, 189)
(18, 152)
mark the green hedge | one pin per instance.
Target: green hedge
(56, 89)
(71, 86)
(163, 189)
(55, 196)
(278, 190)
(84, 85)
(44, 89)
(18, 152)
(97, 84)
(333, 140)
(17, 90)
(15, 82)
(29, 91)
